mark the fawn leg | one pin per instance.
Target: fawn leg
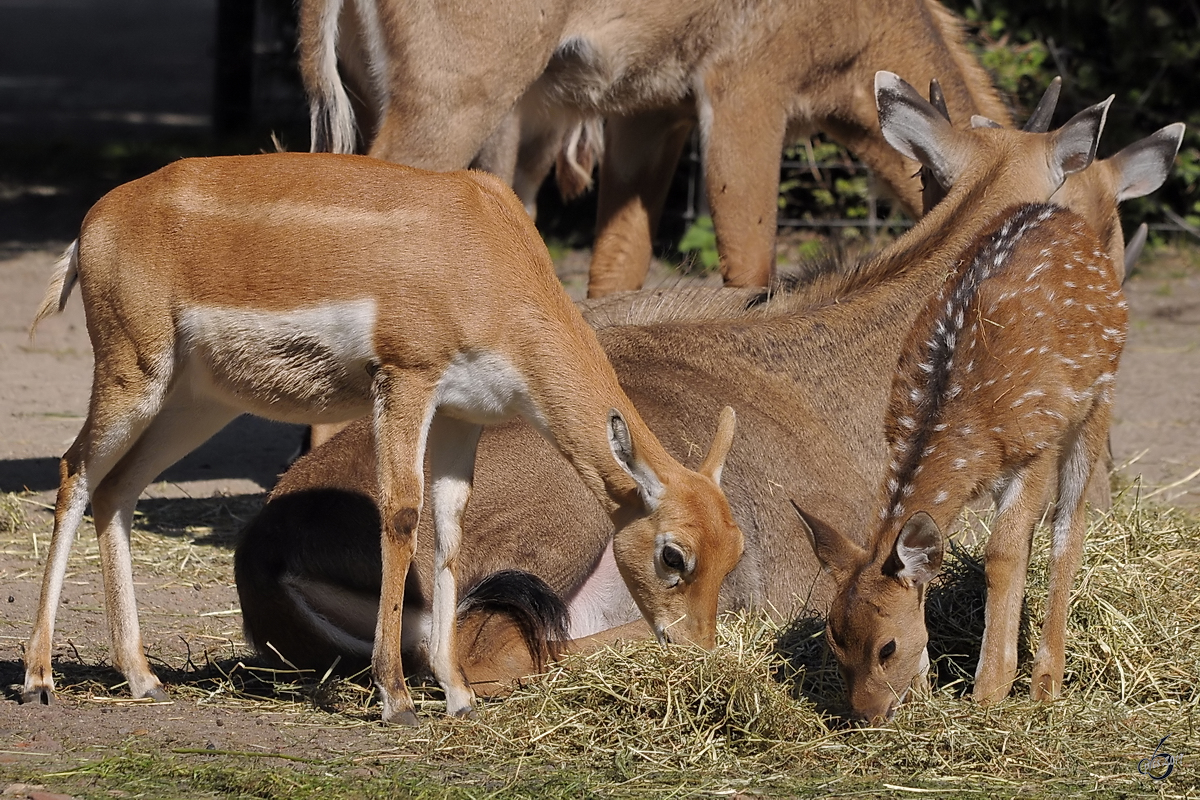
(1006, 562)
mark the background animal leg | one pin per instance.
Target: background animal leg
(741, 168)
(641, 152)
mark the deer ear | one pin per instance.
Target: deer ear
(914, 127)
(1144, 165)
(1074, 144)
(837, 554)
(650, 488)
(917, 557)
(714, 462)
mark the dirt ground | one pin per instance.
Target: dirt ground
(188, 522)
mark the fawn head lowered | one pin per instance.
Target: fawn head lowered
(675, 589)
(876, 622)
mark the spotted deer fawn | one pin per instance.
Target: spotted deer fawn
(321, 288)
(1005, 385)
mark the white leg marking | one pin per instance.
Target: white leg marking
(452, 465)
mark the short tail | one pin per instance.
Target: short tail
(529, 603)
(66, 274)
(331, 119)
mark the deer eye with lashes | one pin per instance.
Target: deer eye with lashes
(674, 563)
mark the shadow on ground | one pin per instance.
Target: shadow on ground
(248, 448)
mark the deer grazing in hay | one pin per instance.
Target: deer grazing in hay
(323, 287)
(787, 364)
(653, 70)
(1005, 385)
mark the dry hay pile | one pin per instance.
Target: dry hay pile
(759, 714)
(755, 714)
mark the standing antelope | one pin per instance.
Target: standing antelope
(320, 288)
(788, 365)
(442, 84)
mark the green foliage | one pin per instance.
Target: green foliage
(821, 180)
(701, 239)
(1145, 53)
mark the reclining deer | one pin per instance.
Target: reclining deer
(323, 287)
(678, 362)
(652, 69)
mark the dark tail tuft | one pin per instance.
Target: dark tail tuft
(535, 608)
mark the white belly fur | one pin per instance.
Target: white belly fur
(311, 365)
(484, 388)
(304, 365)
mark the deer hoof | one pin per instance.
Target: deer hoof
(405, 719)
(43, 696)
(466, 713)
(1045, 687)
(158, 694)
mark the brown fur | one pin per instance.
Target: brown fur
(788, 365)
(424, 292)
(652, 70)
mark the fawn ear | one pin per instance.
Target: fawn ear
(836, 553)
(915, 128)
(1144, 165)
(1074, 144)
(917, 556)
(1039, 120)
(714, 462)
(650, 488)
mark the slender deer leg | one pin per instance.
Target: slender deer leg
(68, 513)
(184, 423)
(403, 414)
(741, 165)
(641, 153)
(452, 445)
(1006, 562)
(112, 426)
(1066, 552)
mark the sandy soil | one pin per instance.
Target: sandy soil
(188, 522)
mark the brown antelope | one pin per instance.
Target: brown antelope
(653, 70)
(788, 364)
(319, 288)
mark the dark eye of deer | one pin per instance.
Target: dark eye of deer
(672, 558)
(887, 651)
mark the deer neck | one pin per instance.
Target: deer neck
(573, 402)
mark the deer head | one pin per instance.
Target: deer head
(659, 554)
(879, 643)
